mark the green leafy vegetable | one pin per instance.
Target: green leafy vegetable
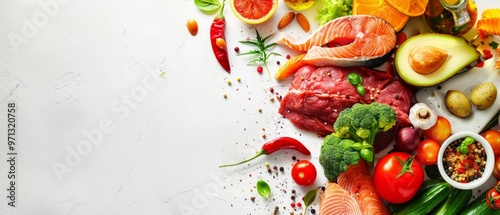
(260, 53)
(263, 189)
(355, 131)
(464, 146)
(208, 6)
(309, 199)
(332, 9)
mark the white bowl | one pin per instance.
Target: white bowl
(488, 169)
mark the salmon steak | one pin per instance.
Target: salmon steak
(355, 40)
(337, 201)
(358, 181)
(354, 193)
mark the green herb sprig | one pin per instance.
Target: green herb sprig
(263, 189)
(260, 53)
(356, 80)
(464, 146)
(208, 6)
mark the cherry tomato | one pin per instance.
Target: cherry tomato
(439, 131)
(493, 199)
(397, 177)
(427, 152)
(496, 168)
(304, 173)
(493, 137)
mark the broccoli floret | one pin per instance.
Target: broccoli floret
(355, 131)
(362, 122)
(336, 155)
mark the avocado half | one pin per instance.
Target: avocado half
(460, 55)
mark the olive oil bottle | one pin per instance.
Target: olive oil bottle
(455, 17)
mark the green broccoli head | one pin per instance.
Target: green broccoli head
(387, 116)
(342, 125)
(336, 155)
(362, 122)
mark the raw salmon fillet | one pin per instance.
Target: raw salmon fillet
(358, 181)
(370, 41)
(336, 200)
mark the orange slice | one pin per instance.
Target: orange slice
(382, 9)
(252, 11)
(409, 7)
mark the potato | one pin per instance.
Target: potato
(483, 95)
(458, 103)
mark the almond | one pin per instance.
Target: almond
(286, 20)
(303, 22)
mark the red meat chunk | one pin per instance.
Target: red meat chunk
(317, 95)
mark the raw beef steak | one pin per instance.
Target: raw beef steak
(317, 96)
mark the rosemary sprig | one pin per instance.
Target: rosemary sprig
(260, 52)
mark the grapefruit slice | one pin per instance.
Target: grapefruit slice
(382, 9)
(253, 11)
(409, 7)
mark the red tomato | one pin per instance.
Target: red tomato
(397, 177)
(304, 173)
(439, 131)
(493, 199)
(493, 137)
(496, 168)
(427, 152)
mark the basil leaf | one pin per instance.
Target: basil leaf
(354, 79)
(463, 148)
(263, 189)
(361, 90)
(309, 199)
(207, 6)
(367, 154)
(468, 140)
(357, 146)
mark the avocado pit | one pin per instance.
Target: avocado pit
(425, 59)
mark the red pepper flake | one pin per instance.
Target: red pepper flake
(487, 54)
(288, 57)
(237, 49)
(271, 90)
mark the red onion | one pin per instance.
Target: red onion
(408, 138)
(384, 139)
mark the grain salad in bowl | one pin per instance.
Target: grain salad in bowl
(466, 160)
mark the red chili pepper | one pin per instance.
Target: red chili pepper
(274, 145)
(216, 32)
(493, 199)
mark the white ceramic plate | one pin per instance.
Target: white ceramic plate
(466, 82)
